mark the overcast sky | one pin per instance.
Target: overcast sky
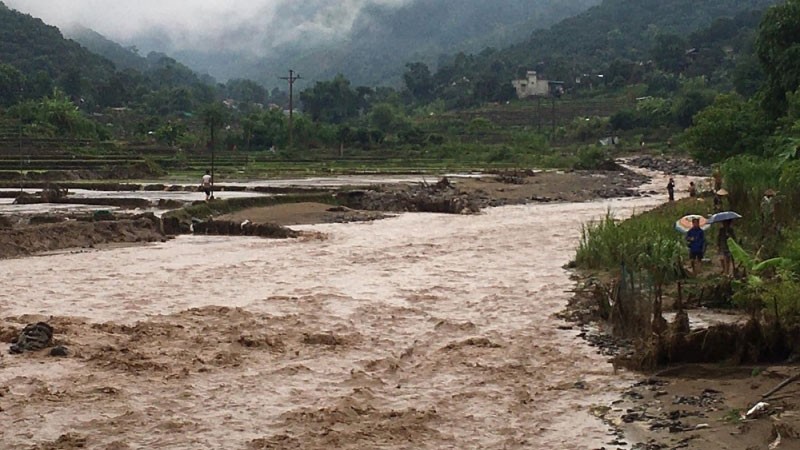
(252, 26)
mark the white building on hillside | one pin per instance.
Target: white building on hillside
(533, 86)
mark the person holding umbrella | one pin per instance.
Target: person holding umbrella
(725, 232)
(726, 260)
(696, 239)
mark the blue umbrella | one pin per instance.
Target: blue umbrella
(723, 216)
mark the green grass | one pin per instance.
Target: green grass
(607, 244)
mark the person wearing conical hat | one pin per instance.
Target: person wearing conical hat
(768, 209)
(718, 197)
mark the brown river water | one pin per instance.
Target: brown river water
(422, 331)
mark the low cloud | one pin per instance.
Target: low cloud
(249, 27)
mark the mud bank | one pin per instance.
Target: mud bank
(73, 234)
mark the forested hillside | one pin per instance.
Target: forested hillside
(606, 41)
(34, 57)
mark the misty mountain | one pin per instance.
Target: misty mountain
(383, 38)
(42, 56)
(122, 57)
(129, 57)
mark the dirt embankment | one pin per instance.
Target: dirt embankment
(33, 239)
(462, 195)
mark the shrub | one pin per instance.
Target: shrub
(590, 158)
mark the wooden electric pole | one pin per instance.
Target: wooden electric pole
(21, 153)
(291, 79)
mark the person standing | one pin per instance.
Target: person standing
(726, 260)
(696, 238)
(717, 177)
(671, 189)
(767, 207)
(692, 189)
(718, 200)
(206, 185)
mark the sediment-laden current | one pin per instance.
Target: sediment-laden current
(418, 331)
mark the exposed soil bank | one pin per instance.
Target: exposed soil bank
(703, 407)
(33, 239)
(301, 213)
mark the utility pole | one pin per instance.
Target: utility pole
(291, 79)
(539, 113)
(21, 155)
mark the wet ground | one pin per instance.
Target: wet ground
(187, 197)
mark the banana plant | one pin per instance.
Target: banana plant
(750, 289)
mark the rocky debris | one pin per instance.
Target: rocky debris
(706, 399)
(35, 336)
(606, 344)
(519, 176)
(49, 194)
(674, 166)
(59, 351)
(441, 197)
(322, 339)
(230, 228)
(616, 192)
(6, 222)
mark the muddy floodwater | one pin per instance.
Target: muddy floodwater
(418, 331)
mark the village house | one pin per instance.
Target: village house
(533, 86)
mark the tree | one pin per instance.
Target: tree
(730, 126)
(689, 104)
(778, 49)
(55, 116)
(243, 90)
(213, 117)
(11, 82)
(382, 117)
(330, 101)
(267, 129)
(669, 52)
(418, 81)
(748, 76)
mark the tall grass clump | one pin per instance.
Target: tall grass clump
(609, 243)
(746, 178)
(789, 192)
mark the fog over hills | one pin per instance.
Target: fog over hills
(369, 41)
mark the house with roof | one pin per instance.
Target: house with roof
(533, 86)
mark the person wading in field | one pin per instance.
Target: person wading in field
(206, 185)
